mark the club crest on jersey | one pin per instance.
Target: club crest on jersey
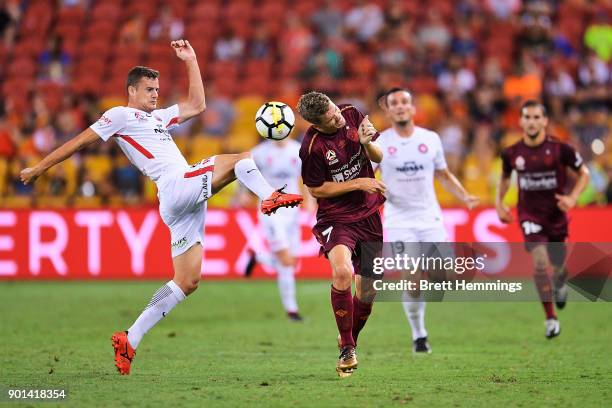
(392, 150)
(140, 117)
(331, 157)
(520, 163)
(423, 148)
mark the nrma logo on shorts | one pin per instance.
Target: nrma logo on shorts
(180, 243)
(410, 168)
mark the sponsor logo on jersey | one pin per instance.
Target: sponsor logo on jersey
(423, 148)
(181, 243)
(410, 168)
(545, 180)
(285, 175)
(519, 163)
(160, 129)
(205, 187)
(331, 157)
(104, 121)
(349, 170)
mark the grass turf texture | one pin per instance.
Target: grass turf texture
(230, 345)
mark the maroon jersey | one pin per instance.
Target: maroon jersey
(339, 157)
(541, 172)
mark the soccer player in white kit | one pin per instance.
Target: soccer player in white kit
(141, 131)
(280, 164)
(412, 157)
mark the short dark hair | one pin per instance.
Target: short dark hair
(530, 103)
(139, 72)
(384, 96)
(312, 105)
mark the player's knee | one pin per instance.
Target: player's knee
(243, 155)
(343, 276)
(286, 261)
(541, 265)
(557, 255)
(188, 286)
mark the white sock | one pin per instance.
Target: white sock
(162, 302)
(415, 312)
(249, 175)
(286, 286)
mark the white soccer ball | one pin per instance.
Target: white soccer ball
(274, 120)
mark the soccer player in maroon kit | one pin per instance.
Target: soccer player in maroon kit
(336, 155)
(541, 164)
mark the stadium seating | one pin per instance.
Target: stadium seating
(99, 52)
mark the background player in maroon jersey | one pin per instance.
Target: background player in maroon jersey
(336, 158)
(541, 162)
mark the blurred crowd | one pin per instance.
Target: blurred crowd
(468, 63)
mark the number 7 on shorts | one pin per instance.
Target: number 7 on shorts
(327, 233)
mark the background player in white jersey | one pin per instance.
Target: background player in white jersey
(412, 157)
(280, 164)
(141, 130)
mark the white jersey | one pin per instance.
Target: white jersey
(144, 138)
(279, 164)
(408, 168)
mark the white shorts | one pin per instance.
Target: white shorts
(282, 229)
(435, 233)
(182, 203)
(408, 240)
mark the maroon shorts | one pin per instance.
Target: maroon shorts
(536, 234)
(367, 230)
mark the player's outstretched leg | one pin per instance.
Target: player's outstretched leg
(229, 167)
(187, 268)
(342, 306)
(543, 284)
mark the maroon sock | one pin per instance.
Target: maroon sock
(361, 312)
(342, 304)
(543, 284)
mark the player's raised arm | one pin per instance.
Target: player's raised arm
(87, 137)
(196, 100)
(366, 133)
(454, 186)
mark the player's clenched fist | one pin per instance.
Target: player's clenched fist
(183, 50)
(504, 214)
(371, 185)
(28, 175)
(366, 131)
(565, 202)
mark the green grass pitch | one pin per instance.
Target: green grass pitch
(230, 345)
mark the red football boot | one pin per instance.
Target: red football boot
(124, 353)
(279, 199)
